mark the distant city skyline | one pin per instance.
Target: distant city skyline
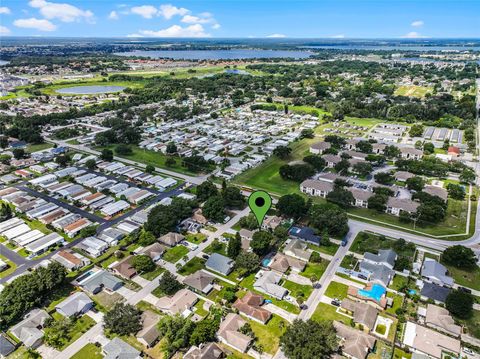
(335, 19)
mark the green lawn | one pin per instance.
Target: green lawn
(199, 308)
(10, 269)
(216, 247)
(173, 255)
(381, 351)
(337, 290)
(473, 324)
(192, 266)
(398, 282)
(400, 354)
(104, 301)
(153, 274)
(298, 290)
(329, 312)
(369, 242)
(195, 238)
(79, 327)
(269, 335)
(38, 147)
(90, 351)
(349, 261)
(331, 249)
(413, 91)
(315, 269)
(153, 158)
(397, 302)
(466, 278)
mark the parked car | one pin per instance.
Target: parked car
(336, 302)
(465, 290)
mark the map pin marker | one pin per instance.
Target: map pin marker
(260, 202)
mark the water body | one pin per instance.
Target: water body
(90, 90)
(353, 46)
(218, 54)
(2, 62)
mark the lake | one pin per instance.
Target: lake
(90, 90)
(392, 47)
(2, 62)
(218, 54)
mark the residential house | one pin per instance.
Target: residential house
(180, 303)
(453, 151)
(7, 346)
(331, 160)
(71, 260)
(171, 239)
(229, 333)
(125, 269)
(436, 272)
(271, 222)
(297, 249)
(430, 342)
(403, 176)
(306, 234)
(434, 292)
(200, 281)
(396, 205)
(75, 304)
(410, 153)
(316, 188)
(118, 349)
(436, 191)
(355, 344)
(28, 331)
(281, 263)
(246, 234)
(267, 282)
(319, 148)
(251, 306)
(219, 263)
(154, 251)
(205, 351)
(149, 333)
(439, 318)
(379, 267)
(363, 313)
(101, 279)
(361, 196)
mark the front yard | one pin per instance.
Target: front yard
(329, 312)
(337, 290)
(90, 351)
(173, 255)
(192, 266)
(315, 269)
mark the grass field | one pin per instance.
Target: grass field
(413, 91)
(466, 278)
(330, 249)
(195, 238)
(153, 158)
(473, 324)
(269, 335)
(336, 290)
(38, 147)
(192, 266)
(10, 269)
(298, 290)
(173, 255)
(329, 312)
(90, 351)
(153, 274)
(398, 282)
(315, 269)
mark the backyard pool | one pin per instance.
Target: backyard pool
(266, 262)
(376, 292)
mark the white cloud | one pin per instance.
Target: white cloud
(168, 11)
(190, 19)
(37, 24)
(62, 11)
(413, 35)
(113, 15)
(134, 35)
(277, 36)
(339, 36)
(4, 30)
(146, 11)
(417, 23)
(216, 26)
(196, 30)
(4, 10)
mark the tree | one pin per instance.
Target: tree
(205, 190)
(123, 150)
(247, 262)
(171, 148)
(150, 168)
(460, 257)
(18, 153)
(386, 178)
(307, 133)
(5, 212)
(342, 166)
(91, 164)
(341, 197)
(234, 246)
(309, 340)
(106, 155)
(378, 202)
(214, 209)
(123, 319)
(460, 304)
(168, 284)
(391, 151)
(329, 217)
(364, 146)
(62, 160)
(233, 198)
(176, 331)
(205, 331)
(170, 162)
(430, 213)
(249, 222)
(467, 176)
(428, 148)
(336, 141)
(415, 183)
(143, 263)
(363, 169)
(57, 333)
(282, 152)
(261, 242)
(163, 219)
(296, 172)
(456, 191)
(292, 205)
(317, 162)
(416, 130)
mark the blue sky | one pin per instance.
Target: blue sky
(242, 18)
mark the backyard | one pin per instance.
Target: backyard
(269, 335)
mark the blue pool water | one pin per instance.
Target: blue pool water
(375, 293)
(266, 262)
(412, 292)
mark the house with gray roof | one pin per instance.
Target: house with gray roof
(77, 303)
(267, 283)
(316, 187)
(28, 330)
(379, 267)
(118, 349)
(220, 264)
(200, 281)
(297, 249)
(6, 346)
(99, 280)
(436, 272)
(435, 292)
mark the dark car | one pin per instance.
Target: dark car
(336, 303)
(205, 256)
(361, 276)
(465, 290)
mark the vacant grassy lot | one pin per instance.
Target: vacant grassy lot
(298, 290)
(192, 266)
(329, 312)
(397, 302)
(337, 290)
(173, 255)
(329, 249)
(413, 91)
(269, 335)
(473, 324)
(90, 351)
(369, 242)
(315, 269)
(153, 274)
(398, 282)
(10, 267)
(466, 278)
(195, 238)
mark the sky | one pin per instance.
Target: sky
(242, 18)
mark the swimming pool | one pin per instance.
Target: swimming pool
(376, 292)
(266, 262)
